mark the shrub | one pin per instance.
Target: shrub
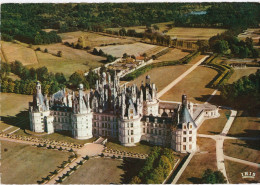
(102, 155)
(45, 50)
(71, 150)
(86, 157)
(38, 49)
(60, 148)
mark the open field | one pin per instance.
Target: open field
(12, 104)
(105, 171)
(214, 126)
(193, 85)
(235, 169)
(251, 33)
(71, 60)
(239, 73)
(93, 39)
(245, 125)
(185, 33)
(136, 49)
(24, 164)
(161, 76)
(200, 162)
(173, 54)
(139, 148)
(12, 51)
(243, 149)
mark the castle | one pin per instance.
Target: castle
(128, 114)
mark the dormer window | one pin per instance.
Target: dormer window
(184, 127)
(131, 111)
(190, 126)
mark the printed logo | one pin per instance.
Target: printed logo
(248, 175)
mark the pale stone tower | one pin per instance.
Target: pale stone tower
(184, 137)
(39, 113)
(82, 116)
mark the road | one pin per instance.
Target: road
(177, 80)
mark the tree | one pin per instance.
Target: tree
(155, 27)
(210, 177)
(59, 53)
(203, 45)
(95, 51)
(221, 46)
(45, 50)
(135, 180)
(122, 32)
(125, 55)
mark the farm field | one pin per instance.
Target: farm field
(202, 160)
(93, 39)
(245, 125)
(161, 76)
(97, 171)
(24, 164)
(193, 33)
(214, 126)
(193, 85)
(251, 32)
(13, 51)
(71, 60)
(239, 73)
(243, 149)
(173, 54)
(235, 169)
(136, 49)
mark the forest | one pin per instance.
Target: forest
(24, 22)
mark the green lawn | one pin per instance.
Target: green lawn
(243, 149)
(246, 124)
(24, 164)
(216, 125)
(97, 171)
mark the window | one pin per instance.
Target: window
(160, 132)
(190, 139)
(132, 124)
(184, 139)
(184, 147)
(132, 132)
(184, 127)
(184, 132)
(128, 125)
(143, 130)
(190, 126)
(190, 132)
(128, 140)
(155, 132)
(131, 111)
(132, 140)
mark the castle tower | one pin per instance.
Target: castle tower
(39, 113)
(82, 116)
(184, 137)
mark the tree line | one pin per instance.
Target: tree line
(156, 168)
(243, 93)
(25, 22)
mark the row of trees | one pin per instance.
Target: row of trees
(243, 93)
(51, 82)
(109, 59)
(156, 168)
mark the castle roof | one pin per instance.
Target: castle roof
(185, 116)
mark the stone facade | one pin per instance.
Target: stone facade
(128, 114)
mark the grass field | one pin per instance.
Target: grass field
(173, 54)
(239, 73)
(162, 76)
(13, 51)
(243, 149)
(234, 171)
(214, 126)
(105, 171)
(200, 162)
(71, 60)
(139, 148)
(193, 85)
(193, 33)
(24, 164)
(136, 49)
(246, 125)
(93, 39)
